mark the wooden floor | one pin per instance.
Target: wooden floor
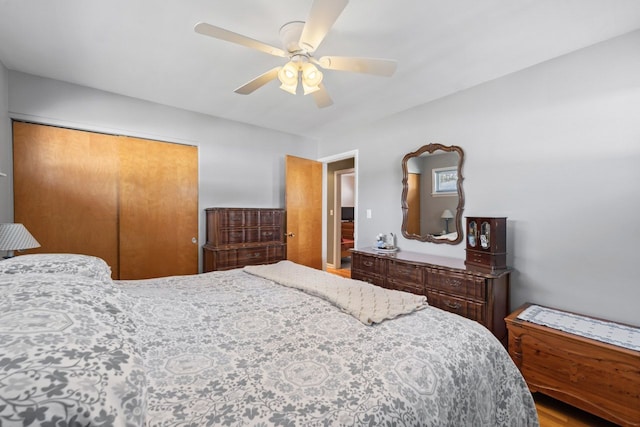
(344, 272)
(551, 412)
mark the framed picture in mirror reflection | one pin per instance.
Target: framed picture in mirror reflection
(445, 181)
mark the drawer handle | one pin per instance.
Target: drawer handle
(454, 282)
(256, 255)
(368, 263)
(453, 305)
(405, 270)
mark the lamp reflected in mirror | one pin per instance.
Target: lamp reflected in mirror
(446, 215)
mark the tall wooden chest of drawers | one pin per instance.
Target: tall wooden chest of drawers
(243, 236)
(479, 295)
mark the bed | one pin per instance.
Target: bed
(239, 348)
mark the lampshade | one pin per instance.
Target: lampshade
(288, 76)
(447, 214)
(15, 237)
(311, 78)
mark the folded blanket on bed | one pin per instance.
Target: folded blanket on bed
(367, 303)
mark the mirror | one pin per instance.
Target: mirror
(432, 196)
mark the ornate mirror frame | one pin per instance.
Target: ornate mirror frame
(431, 148)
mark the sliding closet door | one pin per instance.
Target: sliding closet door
(132, 202)
(158, 209)
(66, 190)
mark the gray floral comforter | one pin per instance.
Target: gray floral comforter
(68, 353)
(229, 348)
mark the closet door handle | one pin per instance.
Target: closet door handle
(194, 240)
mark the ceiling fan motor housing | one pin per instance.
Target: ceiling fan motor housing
(290, 36)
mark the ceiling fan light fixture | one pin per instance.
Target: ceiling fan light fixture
(289, 88)
(288, 76)
(311, 76)
(309, 89)
(300, 41)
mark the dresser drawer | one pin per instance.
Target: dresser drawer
(238, 218)
(405, 277)
(369, 264)
(226, 259)
(276, 253)
(469, 309)
(374, 279)
(248, 236)
(252, 256)
(405, 272)
(235, 236)
(401, 285)
(457, 284)
(492, 261)
(270, 234)
(271, 218)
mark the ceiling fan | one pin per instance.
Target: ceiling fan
(300, 41)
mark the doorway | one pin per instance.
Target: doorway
(344, 208)
(340, 211)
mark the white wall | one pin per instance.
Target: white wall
(240, 165)
(6, 193)
(556, 149)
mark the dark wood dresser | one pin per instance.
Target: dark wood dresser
(598, 377)
(243, 236)
(448, 284)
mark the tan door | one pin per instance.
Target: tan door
(68, 205)
(413, 204)
(158, 209)
(304, 211)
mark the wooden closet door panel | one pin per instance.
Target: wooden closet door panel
(65, 190)
(158, 209)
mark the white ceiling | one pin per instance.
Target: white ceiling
(147, 49)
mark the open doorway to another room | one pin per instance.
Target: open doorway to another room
(345, 205)
(341, 201)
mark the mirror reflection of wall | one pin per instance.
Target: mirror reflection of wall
(421, 194)
(347, 190)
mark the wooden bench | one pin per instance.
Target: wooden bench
(598, 377)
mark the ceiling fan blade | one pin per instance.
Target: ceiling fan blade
(258, 82)
(230, 36)
(380, 67)
(322, 16)
(322, 97)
